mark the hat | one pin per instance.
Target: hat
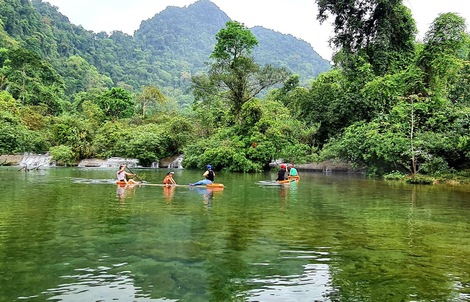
(172, 172)
(209, 167)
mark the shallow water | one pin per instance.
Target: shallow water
(69, 234)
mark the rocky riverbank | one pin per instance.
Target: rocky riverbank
(10, 160)
(326, 166)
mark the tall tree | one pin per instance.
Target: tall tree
(116, 103)
(445, 51)
(381, 30)
(233, 75)
(31, 79)
(149, 97)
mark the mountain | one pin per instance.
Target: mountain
(188, 34)
(165, 51)
(286, 50)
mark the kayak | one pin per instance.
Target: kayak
(123, 183)
(285, 181)
(214, 185)
(207, 188)
(275, 182)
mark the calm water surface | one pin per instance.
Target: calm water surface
(69, 234)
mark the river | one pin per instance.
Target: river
(70, 234)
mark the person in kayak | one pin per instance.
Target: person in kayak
(122, 175)
(293, 171)
(168, 180)
(281, 174)
(209, 177)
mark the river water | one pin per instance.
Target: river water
(70, 234)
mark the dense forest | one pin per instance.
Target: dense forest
(237, 97)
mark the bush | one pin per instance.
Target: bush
(63, 155)
(395, 175)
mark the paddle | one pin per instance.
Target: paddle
(138, 178)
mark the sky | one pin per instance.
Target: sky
(295, 17)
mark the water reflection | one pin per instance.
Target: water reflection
(98, 284)
(336, 239)
(207, 195)
(283, 197)
(124, 191)
(313, 283)
(168, 193)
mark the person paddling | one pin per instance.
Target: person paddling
(168, 180)
(209, 177)
(122, 175)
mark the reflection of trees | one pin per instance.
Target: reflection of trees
(382, 241)
(395, 251)
(227, 265)
(45, 227)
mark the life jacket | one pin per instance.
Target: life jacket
(167, 180)
(281, 174)
(210, 175)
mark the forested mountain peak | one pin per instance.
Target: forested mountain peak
(165, 51)
(185, 33)
(188, 33)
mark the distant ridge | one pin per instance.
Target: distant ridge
(165, 51)
(189, 34)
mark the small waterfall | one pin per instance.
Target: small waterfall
(113, 162)
(176, 164)
(35, 161)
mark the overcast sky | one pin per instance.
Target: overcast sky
(295, 17)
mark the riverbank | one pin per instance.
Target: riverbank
(330, 166)
(10, 160)
(456, 178)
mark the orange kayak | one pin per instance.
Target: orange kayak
(211, 186)
(123, 183)
(215, 185)
(285, 181)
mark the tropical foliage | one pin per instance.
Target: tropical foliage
(391, 104)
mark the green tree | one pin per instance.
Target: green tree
(382, 31)
(74, 132)
(233, 75)
(445, 50)
(32, 80)
(269, 133)
(116, 103)
(15, 137)
(63, 155)
(79, 76)
(108, 136)
(149, 98)
(147, 144)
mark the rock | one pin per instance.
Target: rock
(10, 160)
